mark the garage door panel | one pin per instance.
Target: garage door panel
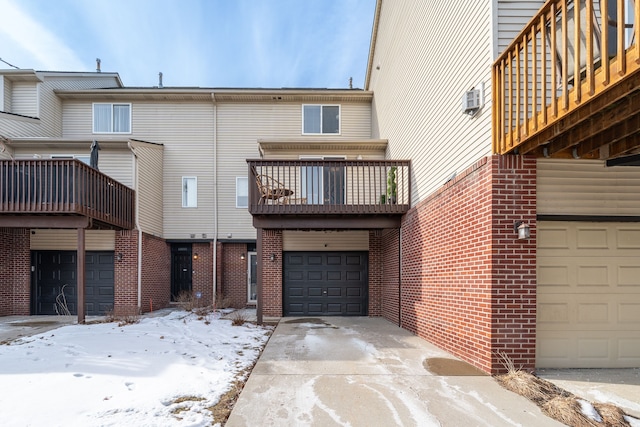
(335, 283)
(588, 295)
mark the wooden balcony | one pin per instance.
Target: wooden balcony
(328, 193)
(62, 194)
(551, 99)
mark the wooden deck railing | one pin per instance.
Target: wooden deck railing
(64, 187)
(329, 187)
(542, 77)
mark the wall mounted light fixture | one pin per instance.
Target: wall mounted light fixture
(242, 256)
(523, 230)
(195, 256)
(119, 256)
(272, 257)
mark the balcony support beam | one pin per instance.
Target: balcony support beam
(41, 221)
(80, 283)
(284, 222)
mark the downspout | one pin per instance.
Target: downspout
(215, 200)
(137, 221)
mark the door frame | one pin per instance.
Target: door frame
(250, 255)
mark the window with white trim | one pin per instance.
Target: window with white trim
(242, 192)
(320, 119)
(189, 192)
(111, 118)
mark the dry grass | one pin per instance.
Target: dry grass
(567, 410)
(239, 318)
(126, 315)
(611, 415)
(222, 302)
(557, 403)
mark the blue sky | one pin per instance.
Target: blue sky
(206, 43)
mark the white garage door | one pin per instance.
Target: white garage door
(588, 295)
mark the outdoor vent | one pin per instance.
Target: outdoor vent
(472, 101)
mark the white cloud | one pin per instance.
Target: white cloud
(25, 40)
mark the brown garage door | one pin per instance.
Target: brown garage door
(325, 283)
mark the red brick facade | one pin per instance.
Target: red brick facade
(467, 284)
(202, 279)
(126, 270)
(391, 276)
(15, 263)
(376, 273)
(234, 277)
(271, 272)
(156, 273)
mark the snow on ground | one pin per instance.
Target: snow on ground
(110, 375)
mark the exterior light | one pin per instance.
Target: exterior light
(195, 256)
(242, 256)
(272, 257)
(523, 230)
(119, 256)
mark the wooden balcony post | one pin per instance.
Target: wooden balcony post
(80, 285)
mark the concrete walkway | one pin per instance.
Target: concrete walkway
(360, 371)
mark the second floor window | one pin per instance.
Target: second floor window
(320, 119)
(111, 118)
(189, 192)
(242, 192)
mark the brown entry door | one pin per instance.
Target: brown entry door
(325, 283)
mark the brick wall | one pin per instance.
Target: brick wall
(125, 280)
(202, 279)
(271, 273)
(234, 276)
(467, 284)
(15, 280)
(375, 273)
(391, 275)
(156, 273)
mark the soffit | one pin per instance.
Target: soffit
(378, 145)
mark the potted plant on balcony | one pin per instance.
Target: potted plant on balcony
(392, 185)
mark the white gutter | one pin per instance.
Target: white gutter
(137, 221)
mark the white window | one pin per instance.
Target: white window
(242, 192)
(111, 118)
(189, 192)
(320, 119)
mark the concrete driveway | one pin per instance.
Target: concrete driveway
(361, 371)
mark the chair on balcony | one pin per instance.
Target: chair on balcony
(272, 189)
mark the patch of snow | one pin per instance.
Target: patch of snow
(589, 411)
(161, 371)
(633, 422)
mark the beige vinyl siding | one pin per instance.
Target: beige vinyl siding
(429, 54)
(583, 187)
(67, 240)
(5, 93)
(513, 16)
(186, 132)
(241, 125)
(149, 188)
(25, 99)
(325, 240)
(117, 163)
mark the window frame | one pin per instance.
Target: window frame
(321, 119)
(112, 104)
(84, 158)
(246, 179)
(185, 193)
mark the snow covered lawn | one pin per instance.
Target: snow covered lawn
(162, 371)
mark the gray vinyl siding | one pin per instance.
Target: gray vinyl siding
(582, 187)
(325, 240)
(241, 125)
(429, 54)
(149, 188)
